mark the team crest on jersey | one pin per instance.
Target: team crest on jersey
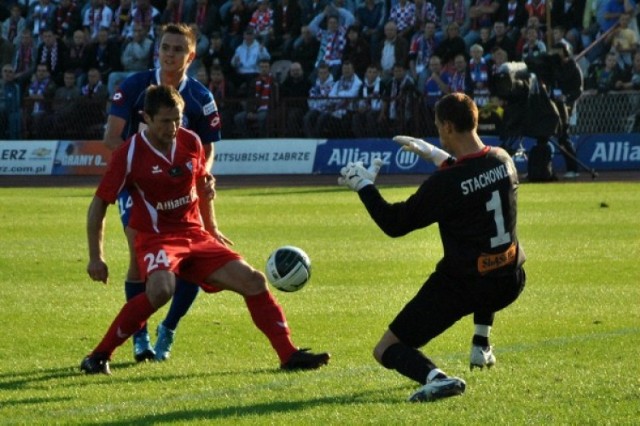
(118, 98)
(209, 108)
(215, 122)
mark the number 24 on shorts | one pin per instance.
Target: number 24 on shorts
(154, 260)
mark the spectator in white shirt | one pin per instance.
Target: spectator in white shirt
(246, 59)
(337, 121)
(318, 102)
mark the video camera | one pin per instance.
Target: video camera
(529, 111)
(510, 81)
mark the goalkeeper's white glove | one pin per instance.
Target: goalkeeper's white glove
(356, 176)
(424, 149)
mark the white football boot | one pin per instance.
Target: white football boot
(481, 356)
(439, 388)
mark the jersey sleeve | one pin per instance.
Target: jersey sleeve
(425, 207)
(209, 125)
(114, 179)
(123, 99)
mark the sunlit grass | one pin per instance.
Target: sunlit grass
(567, 349)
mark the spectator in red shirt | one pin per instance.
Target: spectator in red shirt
(253, 121)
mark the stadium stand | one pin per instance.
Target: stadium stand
(290, 29)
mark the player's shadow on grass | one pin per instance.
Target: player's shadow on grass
(262, 409)
(18, 379)
(36, 401)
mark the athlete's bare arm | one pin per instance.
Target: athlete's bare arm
(113, 132)
(210, 188)
(207, 211)
(209, 152)
(97, 268)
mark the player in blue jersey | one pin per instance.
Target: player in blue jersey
(176, 52)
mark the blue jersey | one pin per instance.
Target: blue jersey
(200, 110)
(200, 114)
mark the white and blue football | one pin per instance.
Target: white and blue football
(288, 268)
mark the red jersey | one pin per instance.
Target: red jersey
(163, 188)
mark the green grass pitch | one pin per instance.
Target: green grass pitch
(568, 350)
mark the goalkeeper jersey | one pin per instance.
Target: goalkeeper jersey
(474, 202)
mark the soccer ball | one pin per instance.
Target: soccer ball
(288, 268)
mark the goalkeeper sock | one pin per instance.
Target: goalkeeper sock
(131, 318)
(183, 298)
(481, 335)
(131, 290)
(269, 317)
(408, 361)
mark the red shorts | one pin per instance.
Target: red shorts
(191, 255)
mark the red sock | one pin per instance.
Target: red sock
(268, 316)
(132, 317)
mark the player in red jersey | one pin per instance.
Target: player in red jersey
(473, 198)
(175, 54)
(164, 168)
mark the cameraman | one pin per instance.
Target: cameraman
(528, 111)
(565, 88)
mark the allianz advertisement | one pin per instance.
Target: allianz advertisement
(333, 154)
(602, 152)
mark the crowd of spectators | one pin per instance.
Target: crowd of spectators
(319, 67)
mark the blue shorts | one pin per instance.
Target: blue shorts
(125, 202)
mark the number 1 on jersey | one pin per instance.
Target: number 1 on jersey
(495, 205)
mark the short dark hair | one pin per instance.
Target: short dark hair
(181, 29)
(157, 97)
(459, 110)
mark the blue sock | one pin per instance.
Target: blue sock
(131, 290)
(183, 298)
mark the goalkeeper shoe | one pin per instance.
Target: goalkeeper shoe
(481, 356)
(92, 364)
(305, 360)
(439, 388)
(142, 350)
(164, 343)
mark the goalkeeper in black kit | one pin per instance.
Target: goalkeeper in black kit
(473, 198)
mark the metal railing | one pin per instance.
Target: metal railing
(613, 112)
